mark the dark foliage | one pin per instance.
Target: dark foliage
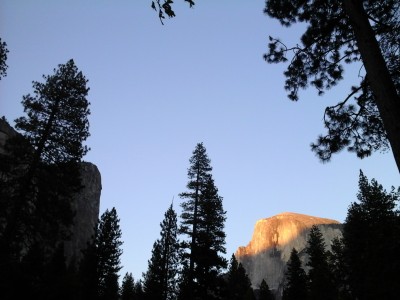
(264, 292)
(371, 242)
(339, 33)
(198, 173)
(239, 285)
(40, 176)
(202, 221)
(128, 287)
(295, 287)
(327, 44)
(160, 280)
(139, 294)
(43, 170)
(108, 251)
(320, 282)
(339, 269)
(164, 8)
(57, 123)
(210, 240)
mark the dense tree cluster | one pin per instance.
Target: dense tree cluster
(39, 175)
(187, 261)
(361, 265)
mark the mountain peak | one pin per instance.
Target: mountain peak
(273, 239)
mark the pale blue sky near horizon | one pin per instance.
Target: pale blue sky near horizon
(158, 90)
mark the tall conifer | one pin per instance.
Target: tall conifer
(210, 239)
(239, 284)
(295, 287)
(265, 292)
(371, 241)
(320, 278)
(128, 287)
(108, 250)
(202, 220)
(198, 174)
(160, 280)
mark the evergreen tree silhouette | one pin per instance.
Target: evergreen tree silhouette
(371, 241)
(128, 287)
(320, 279)
(198, 173)
(238, 285)
(202, 220)
(42, 174)
(295, 287)
(160, 280)
(265, 292)
(108, 251)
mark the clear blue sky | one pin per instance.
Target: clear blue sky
(156, 91)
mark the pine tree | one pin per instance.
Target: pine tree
(139, 293)
(160, 280)
(338, 33)
(340, 270)
(55, 126)
(320, 279)
(57, 116)
(128, 287)
(43, 173)
(239, 285)
(265, 292)
(371, 242)
(108, 251)
(202, 220)
(295, 287)
(198, 173)
(210, 239)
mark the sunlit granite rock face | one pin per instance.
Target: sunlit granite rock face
(266, 255)
(86, 203)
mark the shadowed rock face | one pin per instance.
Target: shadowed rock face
(6, 131)
(266, 255)
(86, 203)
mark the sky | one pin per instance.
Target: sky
(158, 90)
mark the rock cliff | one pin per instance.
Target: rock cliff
(266, 255)
(86, 203)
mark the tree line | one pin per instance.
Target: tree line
(40, 176)
(187, 261)
(363, 264)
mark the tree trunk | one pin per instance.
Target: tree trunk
(382, 85)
